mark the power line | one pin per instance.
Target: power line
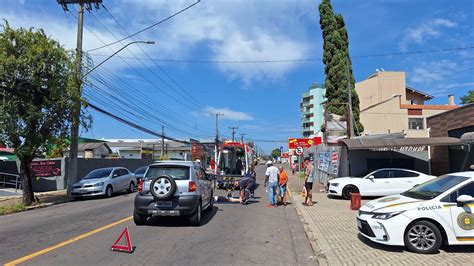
(145, 65)
(149, 57)
(302, 60)
(124, 121)
(147, 28)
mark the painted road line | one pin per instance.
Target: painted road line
(67, 242)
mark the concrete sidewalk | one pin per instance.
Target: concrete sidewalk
(332, 230)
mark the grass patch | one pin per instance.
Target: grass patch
(17, 207)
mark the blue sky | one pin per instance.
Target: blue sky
(262, 99)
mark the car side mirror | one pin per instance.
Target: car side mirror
(371, 177)
(464, 199)
(115, 175)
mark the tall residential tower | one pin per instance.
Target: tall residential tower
(312, 111)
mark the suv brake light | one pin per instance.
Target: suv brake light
(140, 186)
(192, 186)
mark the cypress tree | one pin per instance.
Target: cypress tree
(337, 63)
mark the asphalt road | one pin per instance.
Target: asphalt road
(230, 234)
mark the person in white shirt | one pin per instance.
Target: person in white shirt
(271, 181)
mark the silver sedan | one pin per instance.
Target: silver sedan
(105, 182)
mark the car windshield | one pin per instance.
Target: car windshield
(435, 187)
(140, 171)
(99, 173)
(177, 172)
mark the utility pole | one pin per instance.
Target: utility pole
(233, 132)
(162, 142)
(216, 148)
(349, 93)
(76, 109)
(242, 137)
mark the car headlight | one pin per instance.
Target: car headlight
(334, 184)
(385, 216)
(99, 184)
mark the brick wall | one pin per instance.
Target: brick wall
(440, 125)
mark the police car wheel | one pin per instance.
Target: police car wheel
(423, 237)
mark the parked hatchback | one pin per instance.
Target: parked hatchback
(105, 182)
(173, 188)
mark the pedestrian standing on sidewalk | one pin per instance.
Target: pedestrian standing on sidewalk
(308, 182)
(271, 183)
(282, 180)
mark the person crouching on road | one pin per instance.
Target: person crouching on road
(253, 175)
(271, 180)
(282, 180)
(246, 185)
(308, 182)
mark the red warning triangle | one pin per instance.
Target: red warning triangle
(128, 248)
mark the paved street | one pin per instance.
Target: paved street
(231, 234)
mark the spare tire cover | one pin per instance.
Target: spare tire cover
(163, 187)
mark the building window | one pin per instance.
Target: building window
(415, 123)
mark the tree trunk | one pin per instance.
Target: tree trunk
(26, 181)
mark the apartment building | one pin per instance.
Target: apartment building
(388, 105)
(312, 112)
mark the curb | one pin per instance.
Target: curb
(324, 253)
(43, 205)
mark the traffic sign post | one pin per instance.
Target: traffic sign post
(299, 150)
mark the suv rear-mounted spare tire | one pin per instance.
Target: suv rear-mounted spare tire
(163, 187)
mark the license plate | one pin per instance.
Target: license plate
(163, 204)
(359, 223)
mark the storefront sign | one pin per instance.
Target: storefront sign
(402, 149)
(304, 142)
(46, 169)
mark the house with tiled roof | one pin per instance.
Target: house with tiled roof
(389, 105)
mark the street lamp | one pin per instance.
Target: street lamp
(116, 52)
(72, 169)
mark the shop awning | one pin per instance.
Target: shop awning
(363, 144)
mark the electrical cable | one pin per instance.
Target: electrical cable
(149, 57)
(147, 28)
(303, 60)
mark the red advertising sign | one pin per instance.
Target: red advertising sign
(49, 168)
(304, 142)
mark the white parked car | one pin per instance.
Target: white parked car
(421, 219)
(383, 182)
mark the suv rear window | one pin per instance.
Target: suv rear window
(177, 172)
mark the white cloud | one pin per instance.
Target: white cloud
(431, 72)
(211, 30)
(428, 30)
(228, 113)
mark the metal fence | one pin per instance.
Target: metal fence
(10, 180)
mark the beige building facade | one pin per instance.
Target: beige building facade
(388, 105)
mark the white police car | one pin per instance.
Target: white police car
(424, 217)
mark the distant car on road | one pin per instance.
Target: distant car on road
(424, 217)
(173, 188)
(140, 172)
(105, 182)
(382, 182)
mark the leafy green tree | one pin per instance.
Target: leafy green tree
(276, 153)
(37, 79)
(469, 98)
(338, 65)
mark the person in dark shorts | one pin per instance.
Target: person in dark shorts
(246, 185)
(308, 182)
